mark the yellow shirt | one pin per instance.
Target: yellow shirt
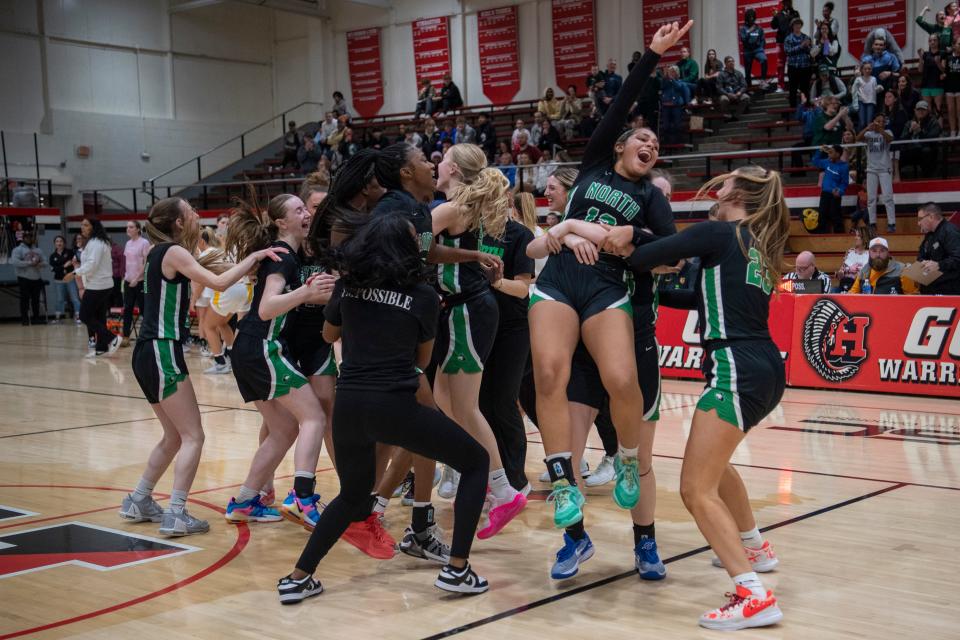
(908, 285)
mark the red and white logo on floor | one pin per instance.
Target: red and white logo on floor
(894, 344)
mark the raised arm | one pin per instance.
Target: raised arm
(606, 133)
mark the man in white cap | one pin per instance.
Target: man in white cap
(882, 274)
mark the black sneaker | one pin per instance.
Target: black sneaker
(461, 580)
(293, 591)
(427, 546)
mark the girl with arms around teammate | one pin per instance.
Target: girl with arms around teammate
(590, 302)
(382, 284)
(158, 364)
(741, 259)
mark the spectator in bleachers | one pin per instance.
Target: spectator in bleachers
(951, 86)
(448, 134)
(907, 93)
(932, 75)
(545, 168)
(425, 98)
(864, 94)
(25, 195)
(689, 71)
(328, 126)
(549, 137)
(939, 251)
(753, 41)
(445, 146)
(436, 158)
(634, 59)
(592, 78)
(536, 129)
(520, 128)
(827, 84)
(553, 219)
(806, 114)
(836, 177)
(450, 98)
(335, 138)
(430, 138)
(799, 62)
(340, 106)
(523, 146)
(734, 99)
(526, 173)
(375, 139)
(707, 88)
(571, 110)
(856, 258)
(613, 79)
(828, 19)
(938, 28)
(409, 135)
(347, 148)
(884, 62)
(879, 171)
(924, 126)
(895, 119)
(805, 268)
(673, 99)
(486, 134)
(506, 166)
(826, 47)
(854, 156)
(308, 156)
(291, 144)
(550, 106)
(883, 273)
(829, 122)
(464, 133)
(782, 21)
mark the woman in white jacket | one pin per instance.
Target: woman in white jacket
(96, 269)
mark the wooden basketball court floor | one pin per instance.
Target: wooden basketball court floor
(860, 495)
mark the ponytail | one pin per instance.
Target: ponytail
(251, 228)
(161, 226)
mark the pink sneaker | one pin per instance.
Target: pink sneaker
(501, 513)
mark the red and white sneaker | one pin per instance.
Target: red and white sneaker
(744, 610)
(370, 537)
(762, 560)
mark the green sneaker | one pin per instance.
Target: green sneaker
(626, 493)
(567, 500)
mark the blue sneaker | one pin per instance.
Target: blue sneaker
(251, 511)
(570, 556)
(647, 560)
(304, 512)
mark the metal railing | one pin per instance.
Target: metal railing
(150, 185)
(6, 194)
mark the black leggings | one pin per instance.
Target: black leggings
(132, 297)
(30, 298)
(499, 390)
(94, 306)
(606, 430)
(361, 419)
(528, 393)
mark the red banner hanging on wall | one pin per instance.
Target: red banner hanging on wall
(499, 54)
(657, 14)
(366, 73)
(431, 49)
(863, 16)
(574, 43)
(765, 10)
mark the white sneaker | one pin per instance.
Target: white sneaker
(219, 369)
(584, 472)
(114, 345)
(762, 560)
(743, 610)
(449, 481)
(205, 352)
(603, 474)
(779, 89)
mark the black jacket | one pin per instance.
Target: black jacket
(781, 22)
(487, 137)
(450, 95)
(942, 245)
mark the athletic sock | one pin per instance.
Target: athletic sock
(227, 351)
(178, 500)
(641, 531)
(379, 505)
(752, 538)
(576, 531)
(500, 485)
(143, 491)
(627, 453)
(560, 467)
(246, 494)
(220, 359)
(751, 581)
(304, 483)
(422, 517)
